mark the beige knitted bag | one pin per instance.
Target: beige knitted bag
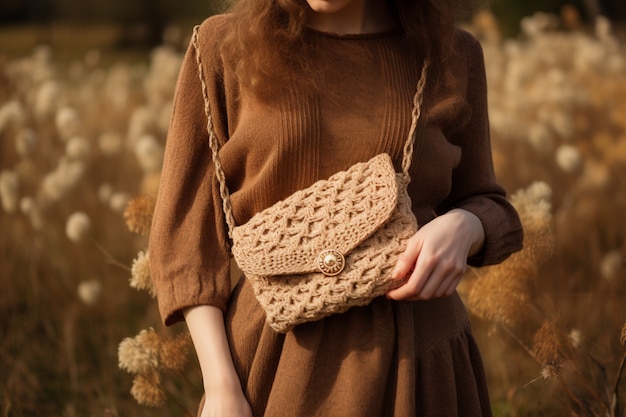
(331, 246)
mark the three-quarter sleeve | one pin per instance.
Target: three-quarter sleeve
(189, 255)
(474, 186)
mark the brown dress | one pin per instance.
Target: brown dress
(386, 359)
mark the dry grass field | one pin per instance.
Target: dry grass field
(81, 140)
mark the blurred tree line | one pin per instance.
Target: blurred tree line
(146, 19)
(510, 12)
(143, 20)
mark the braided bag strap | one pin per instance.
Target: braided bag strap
(215, 145)
(213, 142)
(416, 113)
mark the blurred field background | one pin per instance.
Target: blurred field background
(85, 98)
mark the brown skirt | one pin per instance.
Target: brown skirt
(388, 359)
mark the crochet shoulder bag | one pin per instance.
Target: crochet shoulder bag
(328, 247)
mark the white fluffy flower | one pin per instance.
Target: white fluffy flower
(67, 122)
(540, 137)
(160, 81)
(11, 114)
(77, 148)
(611, 265)
(568, 158)
(149, 153)
(118, 201)
(29, 208)
(141, 122)
(118, 85)
(27, 205)
(9, 191)
(140, 274)
(575, 337)
(62, 180)
(90, 291)
(105, 191)
(562, 124)
(78, 226)
(603, 28)
(46, 99)
(538, 23)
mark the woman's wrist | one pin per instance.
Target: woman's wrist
(474, 227)
(220, 376)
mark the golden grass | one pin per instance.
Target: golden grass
(550, 321)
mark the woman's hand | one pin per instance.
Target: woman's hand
(436, 256)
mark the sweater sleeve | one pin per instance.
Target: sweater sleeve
(474, 186)
(189, 252)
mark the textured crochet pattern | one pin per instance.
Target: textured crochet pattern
(338, 213)
(331, 246)
(364, 213)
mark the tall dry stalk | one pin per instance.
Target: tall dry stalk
(505, 295)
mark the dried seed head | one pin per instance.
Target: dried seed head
(500, 295)
(147, 389)
(12, 114)
(118, 201)
(77, 227)
(547, 348)
(138, 214)
(140, 355)
(551, 371)
(89, 291)
(9, 191)
(575, 337)
(105, 191)
(611, 265)
(140, 274)
(67, 122)
(65, 177)
(534, 208)
(149, 153)
(174, 352)
(568, 158)
(46, 99)
(142, 121)
(77, 148)
(622, 338)
(27, 205)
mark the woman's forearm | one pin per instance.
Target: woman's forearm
(206, 326)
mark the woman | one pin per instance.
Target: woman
(299, 90)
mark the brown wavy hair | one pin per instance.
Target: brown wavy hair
(266, 43)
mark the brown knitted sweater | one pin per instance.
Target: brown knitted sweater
(272, 148)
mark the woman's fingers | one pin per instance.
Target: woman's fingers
(407, 259)
(429, 280)
(412, 286)
(443, 280)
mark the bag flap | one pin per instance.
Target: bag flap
(337, 214)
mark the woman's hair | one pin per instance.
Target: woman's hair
(267, 36)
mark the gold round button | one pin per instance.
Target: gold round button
(330, 262)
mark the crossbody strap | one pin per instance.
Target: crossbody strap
(215, 145)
